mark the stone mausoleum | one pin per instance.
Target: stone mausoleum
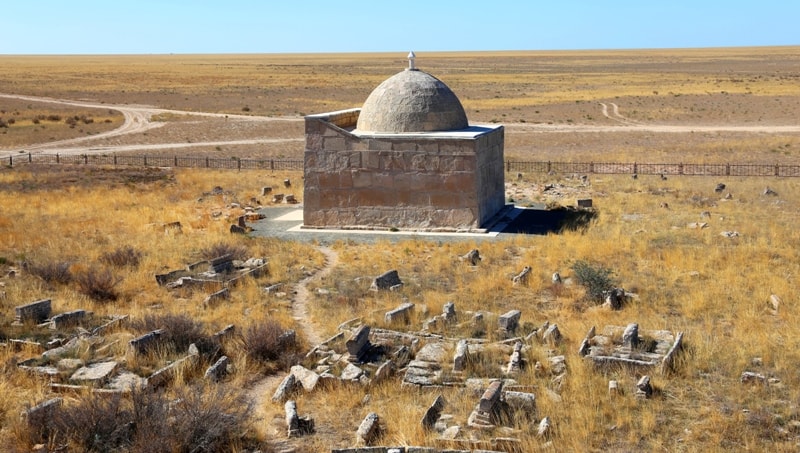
(407, 160)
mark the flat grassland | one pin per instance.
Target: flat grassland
(551, 102)
(69, 231)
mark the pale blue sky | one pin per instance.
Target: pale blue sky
(249, 26)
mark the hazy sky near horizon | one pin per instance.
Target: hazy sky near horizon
(250, 26)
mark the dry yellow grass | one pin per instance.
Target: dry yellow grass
(715, 289)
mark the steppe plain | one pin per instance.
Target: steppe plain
(661, 238)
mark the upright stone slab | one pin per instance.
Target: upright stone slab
(221, 264)
(509, 321)
(401, 314)
(521, 402)
(461, 356)
(369, 429)
(358, 344)
(68, 319)
(552, 335)
(218, 370)
(145, 342)
(515, 361)
(33, 312)
(387, 280)
(433, 413)
(630, 337)
(285, 389)
(449, 312)
(491, 396)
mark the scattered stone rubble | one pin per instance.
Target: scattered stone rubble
(213, 274)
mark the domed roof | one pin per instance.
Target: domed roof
(412, 101)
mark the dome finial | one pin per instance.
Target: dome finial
(411, 57)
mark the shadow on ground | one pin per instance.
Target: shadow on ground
(541, 221)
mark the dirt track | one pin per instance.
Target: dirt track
(138, 119)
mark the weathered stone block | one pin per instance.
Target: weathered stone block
(33, 312)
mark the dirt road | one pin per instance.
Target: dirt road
(138, 119)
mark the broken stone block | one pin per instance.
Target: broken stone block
(615, 298)
(358, 344)
(449, 312)
(749, 376)
(307, 378)
(522, 277)
(643, 387)
(515, 361)
(491, 396)
(384, 371)
(285, 389)
(521, 402)
(461, 356)
(613, 388)
(68, 319)
(143, 343)
(35, 312)
(473, 257)
(630, 337)
(96, 373)
(39, 418)
(215, 297)
(552, 335)
(387, 280)
(218, 370)
(544, 429)
(369, 430)
(433, 413)
(400, 314)
(351, 373)
(296, 425)
(509, 321)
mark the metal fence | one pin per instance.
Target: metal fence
(232, 163)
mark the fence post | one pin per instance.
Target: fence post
(85, 159)
(549, 167)
(777, 170)
(145, 160)
(10, 161)
(635, 168)
(591, 167)
(30, 159)
(115, 160)
(508, 166)
(727, 169)
(272, 165)
(175, 161)
(206, 161)
(238, 164)
(57, 159)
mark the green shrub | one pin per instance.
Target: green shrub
(594, 278)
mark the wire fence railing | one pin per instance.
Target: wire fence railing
(233, 163)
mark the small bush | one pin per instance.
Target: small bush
(98, 285)
(95, 424)
(268, 341)
(123, 256)
(237, 252)
(199, 420)
(51, 272)
(53, 117)
(595, 279)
